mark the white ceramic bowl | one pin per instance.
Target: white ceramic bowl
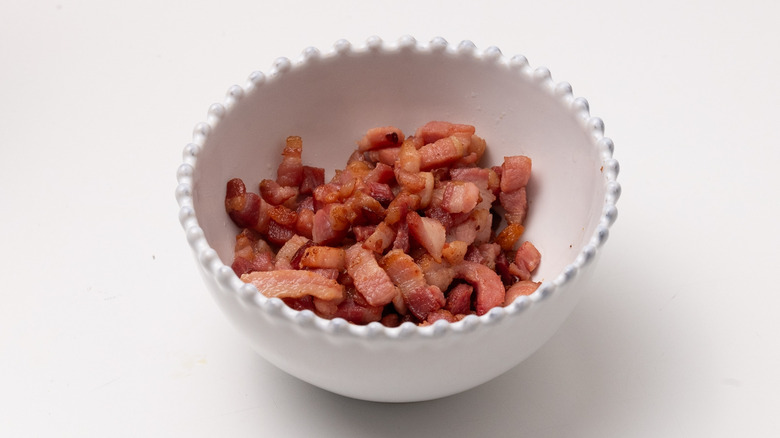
(330, 99)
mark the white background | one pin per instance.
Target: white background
(106, 329)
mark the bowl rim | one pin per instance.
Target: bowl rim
(211, 264)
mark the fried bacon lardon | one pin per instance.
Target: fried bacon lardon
(407, 231)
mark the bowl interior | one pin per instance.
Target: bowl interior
(330, 101)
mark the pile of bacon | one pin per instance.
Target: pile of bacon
(408, 231)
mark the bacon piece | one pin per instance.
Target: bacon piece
(502, 268)
(381, 137)
(474, 152)
(485, 254)
(519, 271)
(465, 232)
(262, 262)
(245, 242)
(515, 204)
(246, 209)
(485, 179)
(490, 252)
(290, 171)
(520, 288)
(381, 239)
(359, 168)
(326, 194)
(408, 158)
(295, 261)
(287, 252)
(474, 255)
(363, 232)
(436, 273)
(391, 320)
(312, 177)
(370, 280)
(412, 182)
(479, 176)
(486, 199)
(323, 257)
(385, 156)
(356, 309)
(275, 194)
(453, 252)
(420, 298)
(305, 302)
(256, 203)
(379, 191)
(407, 169)
(416, 141)
(440, 314)
(515, 173)
(494, 181)
(509, 236)
(235, 195)
(467, 160)
(305, 222)
(400, 206)
(260, 246)
(487, 285)
(459, 299)
(328, 308)
(338, 189)
(346, 182)
(435, 130)
(381, 173)
(283, 216)
(331, 224)
(426, 193)
(440, 175)
(528, 256)
(428, 232)
(460, 197)
(438, 191)
(459, 218)
(307, 203)
(279, 234)
(356, 155)
(441, 153)
(293, 284)
(401, 241)
(400, 306)
(363, 209)
(251, 253)
(476, 229)
(438, 213)
(331, 273)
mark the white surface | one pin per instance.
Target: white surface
(106, 330)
